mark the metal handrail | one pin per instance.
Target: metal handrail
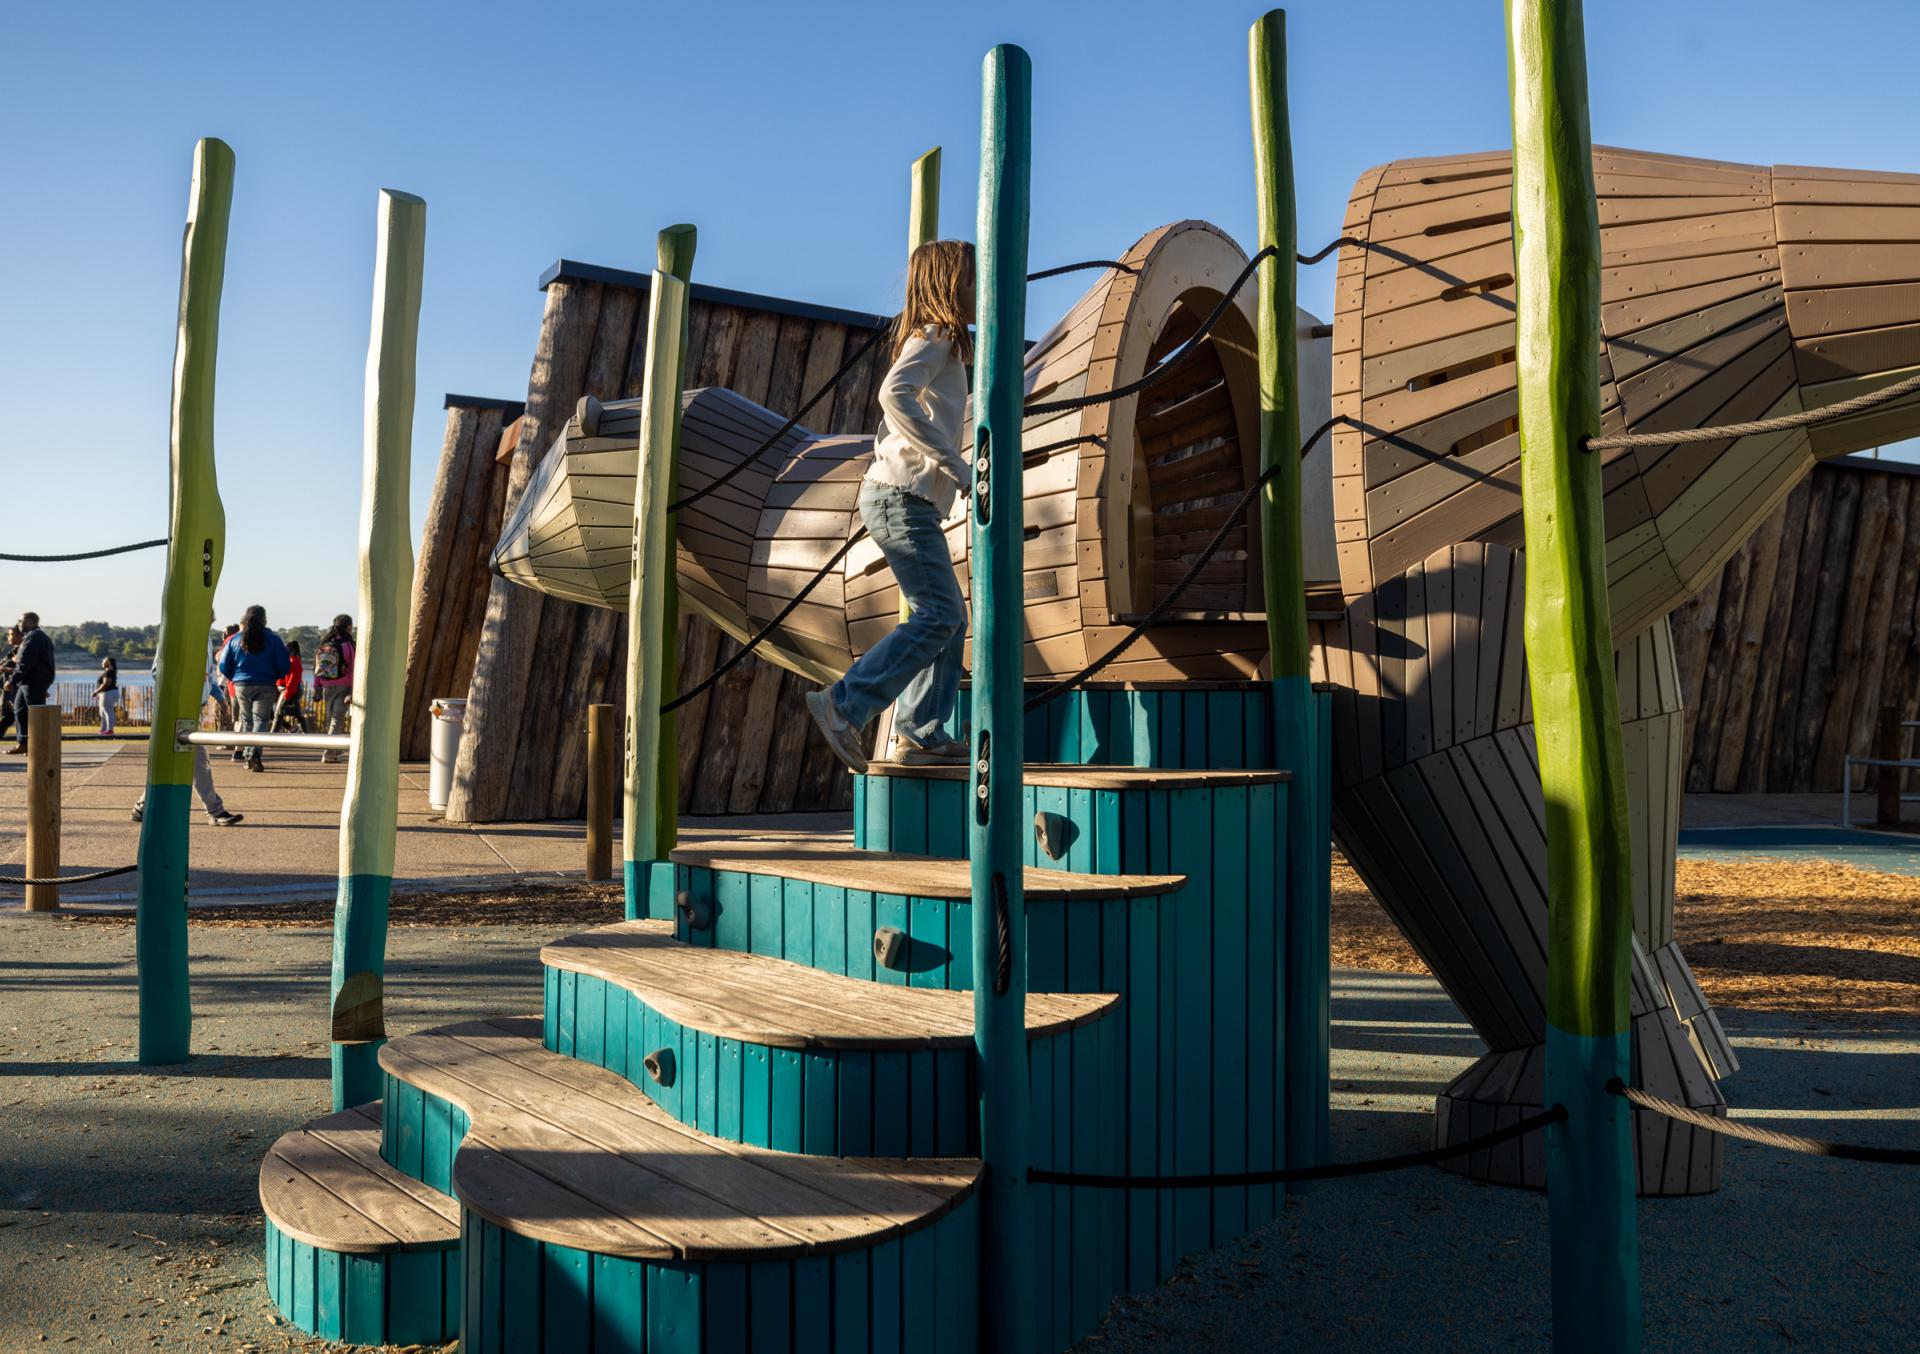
(188, 735)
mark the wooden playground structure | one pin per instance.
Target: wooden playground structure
(1047, 1022)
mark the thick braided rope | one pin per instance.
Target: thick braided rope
(1812, 418)
(1766, 1137)
(85, 554)
(15, 881)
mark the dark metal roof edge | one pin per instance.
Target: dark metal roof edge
(570, 270)
(517, 407)
(1874, 463)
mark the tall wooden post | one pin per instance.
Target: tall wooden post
(647, 837)
(600, 735)
(673, 252)
(1569, 642)
(369, 813)
(196, 546)
(923, 224)
(43, 805)
(1305, 979)
(1008, 1289)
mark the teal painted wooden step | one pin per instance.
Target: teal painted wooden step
(776, 1054)
(354, 1251)
(916, 1292)
(1193, 725)
(1094, 815)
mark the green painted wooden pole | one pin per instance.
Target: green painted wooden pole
(1569, 642)
(1008, 1288)
(651, 763)
(673, 254)
(196, 548)
(369, 812)
(1306, 978)
(923, 224)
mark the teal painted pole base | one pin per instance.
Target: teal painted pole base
(1590, 1178)
(1301, 744)
(649, 889)
(160, 927)
(359, 987)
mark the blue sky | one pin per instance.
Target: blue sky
(783, 131)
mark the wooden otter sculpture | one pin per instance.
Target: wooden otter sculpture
(1721, 303)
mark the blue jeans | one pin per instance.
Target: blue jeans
(919, 661)
(253, 710)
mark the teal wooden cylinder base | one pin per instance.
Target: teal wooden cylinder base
(916, 1293)
(1181, 725)
(391, 1298)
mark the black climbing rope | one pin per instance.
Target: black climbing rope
(1002, 938)
(769, 627)
(85, 554)
(1114, 264)
(1300, 1174)
(688, 500)
(1767, 1137)
(1310, 259)
(16, 881)
(1054, 690)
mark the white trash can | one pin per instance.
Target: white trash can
(449, 722)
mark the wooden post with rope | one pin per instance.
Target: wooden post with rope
(648, 835)
(196, 548)
(1569, 644)
(43, 806)
(995, 827)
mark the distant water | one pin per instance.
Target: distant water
(128, 676)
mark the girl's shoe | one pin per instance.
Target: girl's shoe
(841, 736)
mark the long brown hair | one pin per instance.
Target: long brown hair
(939, 293)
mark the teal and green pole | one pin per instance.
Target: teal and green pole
(1569, 641)
(1007, 1282)
(196, 548)
(923, 225)
(369, 813)
(673, 253)
(1305, 980)
(651, 782)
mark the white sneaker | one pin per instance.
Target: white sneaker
(841, 736)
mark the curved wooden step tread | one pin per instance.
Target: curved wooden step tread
(833, 863)
(1077, 776)
(761, 1000)
(325, 1185)
(573, 1155)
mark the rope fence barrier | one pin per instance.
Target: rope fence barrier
(1766, 1137)
(17, 882)
(1300, 1174)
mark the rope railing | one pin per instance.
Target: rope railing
(1766, 1137)
(1065, 268)
(84, 554)
(1811, 418)
(18, 882)
(1290, 1175)
(1054, 690)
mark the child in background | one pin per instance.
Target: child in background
(333, 679)
(106, 692)
(290, 688)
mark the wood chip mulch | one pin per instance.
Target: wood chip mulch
(1815, 938)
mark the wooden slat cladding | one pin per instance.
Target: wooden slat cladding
(542, 660)
(1805, 634)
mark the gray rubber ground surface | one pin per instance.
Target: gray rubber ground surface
(128, 1216)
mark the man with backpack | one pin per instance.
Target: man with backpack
(33, 669)
(333, 679)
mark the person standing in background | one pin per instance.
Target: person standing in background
(33, 673)
(8, 682)
(254, 660)
(290, 688)
(210, 799)
(106, 693)
(333, 679)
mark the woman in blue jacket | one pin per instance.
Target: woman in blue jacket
(254, 661)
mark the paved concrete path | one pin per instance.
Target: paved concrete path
(288, 847)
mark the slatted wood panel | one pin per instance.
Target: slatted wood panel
(451, 576)
(1805, 635)
(745, 747)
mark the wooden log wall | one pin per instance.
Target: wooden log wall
(451, 578)
(747, 746)
(1787, 656)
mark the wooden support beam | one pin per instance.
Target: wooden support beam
(999, 690)
(1569, 645)
(43, 805)
(602, 732)
(369, 812)
(197, 546)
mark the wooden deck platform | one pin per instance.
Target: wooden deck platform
(731, 994)
(829, 861)
(572, 1155)
(1069, 776)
